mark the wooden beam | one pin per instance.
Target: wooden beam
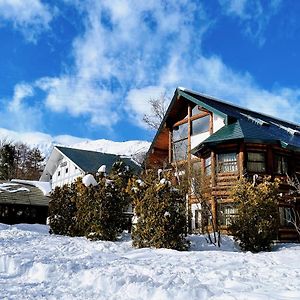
(170, 145)
(211, 124)
(192, 118)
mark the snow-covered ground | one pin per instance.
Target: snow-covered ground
(36, 265)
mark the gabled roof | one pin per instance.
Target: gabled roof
(255, 126)
(239, 130)
(240, 123)
(87, 161)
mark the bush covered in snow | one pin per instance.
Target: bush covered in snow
(96, 211)
(161, 215)
(63, 209)
(257, 220)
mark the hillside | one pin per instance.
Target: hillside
(45, 143)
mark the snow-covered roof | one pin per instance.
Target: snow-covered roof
(23, 192)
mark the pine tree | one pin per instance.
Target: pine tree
(34, 164)
(7, 156)
(257, 220)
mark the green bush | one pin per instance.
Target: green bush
(257, 220)
(63, 210)
(94, 211)
(161, 215)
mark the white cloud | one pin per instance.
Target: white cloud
(210, 75)
(124, 45)
(137, 104)
(254, 15)
(131, 51)
(20, 115)
(30, 17)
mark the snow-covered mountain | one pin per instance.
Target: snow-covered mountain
(45, 143)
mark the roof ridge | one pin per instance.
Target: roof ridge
(236, 106)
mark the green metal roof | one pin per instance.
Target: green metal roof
(91, 161)
(239, 130)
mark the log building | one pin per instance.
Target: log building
(224, 142)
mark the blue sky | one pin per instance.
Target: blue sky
(88, 68)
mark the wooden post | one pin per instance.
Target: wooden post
(170, 145)
(211, 123)
(241, 159)
(213, 168)
(213, 184)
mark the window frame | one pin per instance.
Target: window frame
(281, 159)
(264, 161)
(286, 216)
(221, 164)
(226, 217)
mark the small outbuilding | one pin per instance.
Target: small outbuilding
(23, 202)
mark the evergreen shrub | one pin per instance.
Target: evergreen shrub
(161, 215)
(96, 212)
(256, 224)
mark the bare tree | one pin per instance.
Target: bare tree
(294, 216)
(158, 110)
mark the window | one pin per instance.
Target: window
(207, 166)
(200, 125)
(281, 164)
(180, 142)
(227, 162)
(67, 170)
(256, 162)
(226, 213)
(286, 216)
(58, 174)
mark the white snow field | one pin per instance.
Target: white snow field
(36, 265)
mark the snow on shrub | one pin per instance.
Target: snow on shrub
(160, 215)
(256, 223)
(88, 180)
(91, 208)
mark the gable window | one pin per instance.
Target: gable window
(207, 166)
(67, 170)
(180, 142)
(281, 164)
(200, 125)
(256, 162)
(58, 174)
(227, 162)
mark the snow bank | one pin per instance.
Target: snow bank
(36, 265)
(45, 187)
